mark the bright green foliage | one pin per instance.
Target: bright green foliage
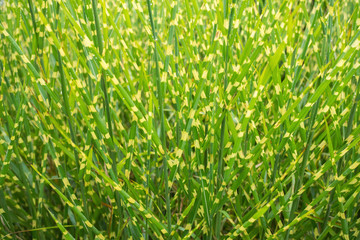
(179, 119)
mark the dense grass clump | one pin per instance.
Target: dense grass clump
(179, 119)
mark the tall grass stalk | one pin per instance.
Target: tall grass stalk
(160, 92)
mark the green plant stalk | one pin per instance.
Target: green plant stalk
(72, 132)
(162, 127)
(303, 165)
(67, 107)
(147, 172)
(103, 82)
(338, 170)
(107, 105)
(34, 22)
(224, 113)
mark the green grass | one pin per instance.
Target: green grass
(179, 119)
